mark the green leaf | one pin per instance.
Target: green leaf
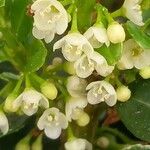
(36, 54)
(135, 113)
(23, 24)
(111, 53)
(139, 36)
(85, 9)
(2, 3)
(15, 123)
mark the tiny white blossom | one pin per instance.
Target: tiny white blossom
(50, 17)
(52, 122)
(85, 65)
(97, 35)
(29, 101)
(132, 11)
(133, 56)
(101, 91)
(78, 144)
(76, 86)
(4, 126)
(74, 107)
(73, 45)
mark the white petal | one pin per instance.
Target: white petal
(59, 44)
(63, 121)
(4, 126)
(49, 37)
(72, 103)
(111, 101)
(39, 34)
(17, 102)
(29, 111)
(76, 86)
(62, 24)
(84, 67)
(52, 132)
(44, 102)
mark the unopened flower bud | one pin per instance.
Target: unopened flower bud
(103, 142)
(8, 103)
(69, 68)
(23, 144)
(145, 72)
(49, 90)
(116, 33)
(37, 145)
(83, 120)
(57, 61)
(123, 93)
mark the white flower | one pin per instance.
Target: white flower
(74, 107)
(76, 86)
(78, 144)
(50, 17)
(134, 56)
(85, 65)
(97, 35)
(4, 126)
(132, 11)
(116, 33)
(101, 91)
(52, 121)
(73, 45)
(29, 101)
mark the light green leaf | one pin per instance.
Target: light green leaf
(135, 113)
(2, 3)
(139, 36)
(112, 53)
(8, 75)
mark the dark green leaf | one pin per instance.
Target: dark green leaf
(111, 53)
(135, 113)
(23, 24)
(139, 36)
(36, 54)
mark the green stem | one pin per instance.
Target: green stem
(108, 16)
(38, 79)
(117, 13)
(66, 2)
(70, 133)
(16, 89)
(27, 81)
(74, 26)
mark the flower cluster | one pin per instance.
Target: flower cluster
(94, 78)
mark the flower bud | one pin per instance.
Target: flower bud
(116, 33)
(8, 103)
(23, 144)
(49, 90)
(145, 72)
(83, 120)
(69, 68)
(123, 93)
(103, 142)
(37, 145)
(57, 61)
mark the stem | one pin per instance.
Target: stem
(38, 79)
(108, 16)
(117, 13)
(70, 133)
(66, 2)
(16, 89)
(27, 82)
(74, 26)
